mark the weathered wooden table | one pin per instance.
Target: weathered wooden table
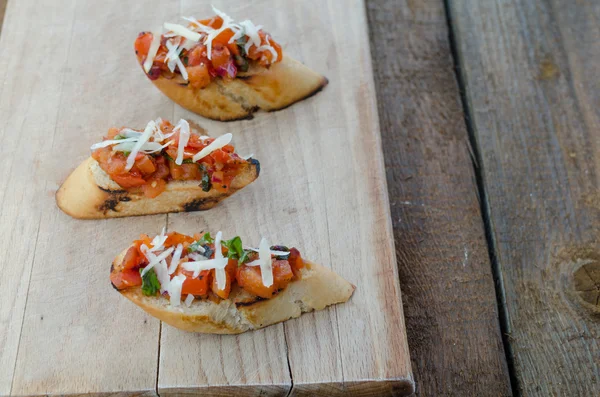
(491, 133)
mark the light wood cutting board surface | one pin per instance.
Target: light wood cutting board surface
(64, 330)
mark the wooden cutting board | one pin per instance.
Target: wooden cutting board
(69, 73)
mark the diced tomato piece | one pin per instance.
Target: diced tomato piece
(230, 271)
(128, 180)
(220, 56)
(250, 279)
(224, 183)
(154, 187)
(228, 148)
(195, 286)
(220, 156)
(174, 238)
(126, 278)
(223, 37)
(198, 76)
(215, 22)
(142, 44)
(162, 168)
(131, 259)
(185, 171)
(197, 56)
(145, 164)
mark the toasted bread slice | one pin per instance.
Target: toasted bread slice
(89, 193)
(241, 312)
(276, 87)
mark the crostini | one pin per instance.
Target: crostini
(163, 168)
(211, 285)
(224, 70)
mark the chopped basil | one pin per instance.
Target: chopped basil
(126, 154)
(242, 63)
(206, 239)
(205, 183)
(241, 42)
(185, 161)
(244, 258)
(234, 247)
(150, 284)
(185, 60)
(119, 137)
(195, 246)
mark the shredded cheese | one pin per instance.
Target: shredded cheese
(275, 253)
(184, 136)
(220, 271)
(159, 240)
(208, 264)
(188, 300)
(182, 31)
(214, 145)
(270, 48)
(227, 24)
(251, 31)
(264, 261)
(162, 273)
(143, 139)
(175, 259)
(174, 289)
(199, 26)
(152, 51)
(154, 259)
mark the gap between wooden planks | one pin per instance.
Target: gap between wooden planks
(68, 333)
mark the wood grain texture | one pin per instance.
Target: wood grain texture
(78, 335)
(445, 272)
(337, 346)
(322, 188)
(531, 77)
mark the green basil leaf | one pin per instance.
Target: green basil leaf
(150, 283)
(234, 247)
(244, 258)
(206, 239)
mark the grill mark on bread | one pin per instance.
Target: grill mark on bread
(201, 204)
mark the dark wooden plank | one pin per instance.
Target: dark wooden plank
(445, 272)
(531, 71)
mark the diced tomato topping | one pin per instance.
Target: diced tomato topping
(145, 164)
(142, 44)
(198, 76)
(215, 22)
(126, 278)
(174, 238)
(150, 173)
(196, 286)
(250, 279)
(230, 271)
(225, 56)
